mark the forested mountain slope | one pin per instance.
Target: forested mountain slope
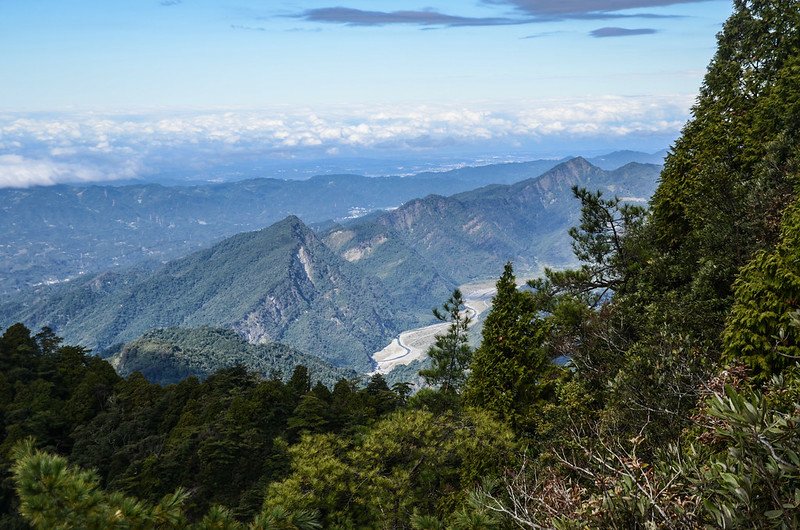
(277, 284)
(54, 233)
(166, 356)
(472, 234)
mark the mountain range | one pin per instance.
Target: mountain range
(341, 293)
(471, 235)
(50, 234)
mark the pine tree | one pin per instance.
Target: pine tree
(451, 354)
(55, 495)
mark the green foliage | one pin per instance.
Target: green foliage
(224, 439)
(451, 353)
(731, 174)
(319, 479)
(602, 243)
(737, 467)
(310, 416)
(755, 480)
(45, 389)
(510, 369)
(411, 466)
(281, 519)
(55, 495)
(763, 330)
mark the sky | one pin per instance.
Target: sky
(207, 89)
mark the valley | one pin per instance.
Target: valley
(411, 345)
(342, 290)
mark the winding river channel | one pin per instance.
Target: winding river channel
(413, 344)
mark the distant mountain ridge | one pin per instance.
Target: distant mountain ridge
(470, 235)
(48, 234)
(618, 159)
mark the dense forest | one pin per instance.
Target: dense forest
(678, 407)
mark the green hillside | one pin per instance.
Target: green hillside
(166, 356)
(472, 234)
(278, 284)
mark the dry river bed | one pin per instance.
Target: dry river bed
(414, 343)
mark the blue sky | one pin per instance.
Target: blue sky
(98, 89)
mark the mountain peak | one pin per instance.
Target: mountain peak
(564, 175)
(291, 220)
(573, 166)
(577, 163)
(291, 226)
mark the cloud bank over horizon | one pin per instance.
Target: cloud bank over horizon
(19, 172)
(42, 149)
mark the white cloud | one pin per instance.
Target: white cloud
(113, 144)
(355, 126)
(19, 172)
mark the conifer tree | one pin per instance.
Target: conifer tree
(54, 495)
(451, 354)
(510, 363)
(725, 181)
(763, 328)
